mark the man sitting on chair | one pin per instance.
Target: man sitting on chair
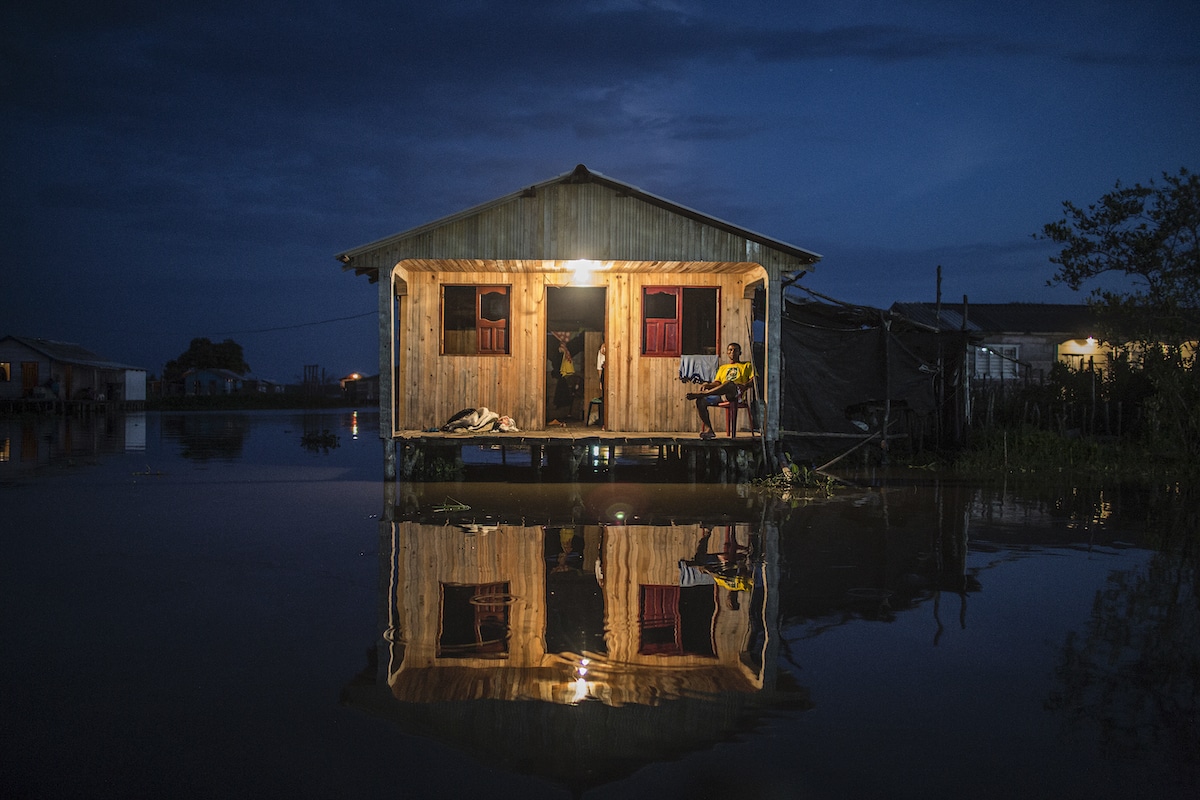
(729, 380)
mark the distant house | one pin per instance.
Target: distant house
(358, 388)
(208, 382)
(1018, 341)
(44, 369)
(254, 385)
(474, 307)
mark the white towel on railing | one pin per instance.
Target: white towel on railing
(697, 368)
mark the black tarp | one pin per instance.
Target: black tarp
(843, 363)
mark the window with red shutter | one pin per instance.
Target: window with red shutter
(660, 320)
(475, 320)
(678, 320)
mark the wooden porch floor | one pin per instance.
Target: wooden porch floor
(569, 450)
(570, 435)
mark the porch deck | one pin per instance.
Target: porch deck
(577, 434)
(565, 450)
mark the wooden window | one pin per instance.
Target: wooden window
(475, 320)
(5, 371)
(474, 620)
(675, 621)
(680, 319)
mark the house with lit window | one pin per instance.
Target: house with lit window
(510, 305)
(1017, 341)
(34, 369)
(211, 382)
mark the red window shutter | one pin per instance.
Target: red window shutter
(491, 319)
(660, 321)
(660, 623)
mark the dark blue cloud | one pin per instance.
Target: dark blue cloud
(190, 168)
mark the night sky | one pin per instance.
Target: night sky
(175, 170)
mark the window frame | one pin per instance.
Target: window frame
(997, 361)
(665, 337)
(485, 328)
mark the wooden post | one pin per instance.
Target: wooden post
(887, 384)
(386, 300)
(774, 377)
(390, 472)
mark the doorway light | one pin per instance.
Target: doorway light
(581, 270)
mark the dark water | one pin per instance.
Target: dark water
(236, 605)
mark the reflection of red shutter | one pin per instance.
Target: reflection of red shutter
(660, 317)
(491, 319)
(660, 624)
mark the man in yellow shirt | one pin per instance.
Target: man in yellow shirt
(730, 378)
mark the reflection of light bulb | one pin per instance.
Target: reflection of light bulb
(581, 691)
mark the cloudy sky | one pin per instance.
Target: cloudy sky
(184, 169)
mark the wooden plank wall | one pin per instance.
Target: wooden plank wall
(646, 395)
(642, 555)
(431, 555)
(643, 395)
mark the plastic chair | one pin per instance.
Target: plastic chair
(745, 397)
(597, 403)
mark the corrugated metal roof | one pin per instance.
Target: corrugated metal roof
(506, 229)
(68, 353)
(1075, 320)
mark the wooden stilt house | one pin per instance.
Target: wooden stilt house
(480, 309)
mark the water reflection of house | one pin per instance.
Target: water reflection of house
(64, 375)
(32, 441)
(622, 654)
(879, 554)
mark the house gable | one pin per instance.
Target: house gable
(578, 215)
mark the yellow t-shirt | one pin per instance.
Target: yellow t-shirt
(740, 372)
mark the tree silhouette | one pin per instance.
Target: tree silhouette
(1150, 235)
(204, 354)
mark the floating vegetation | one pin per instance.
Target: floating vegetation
(452, 505)
(796, 481)
(148, 472)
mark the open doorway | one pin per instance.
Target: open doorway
(574, 338)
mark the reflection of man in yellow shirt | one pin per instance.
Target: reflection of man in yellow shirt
(730, 378)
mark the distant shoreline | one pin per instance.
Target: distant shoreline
(253, 403)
